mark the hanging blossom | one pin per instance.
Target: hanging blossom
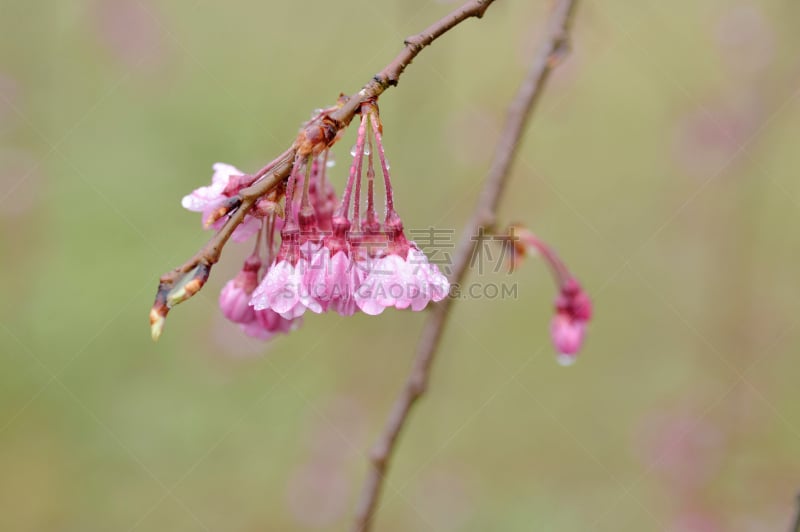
(321, 253)
(572, 305)
(234, 300)
(285, 289)
(333, 256)
(216, 202)
(339, 260)
(315, 252)
(400, 275)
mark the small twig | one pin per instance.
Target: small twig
(321, 131)
(796, 525)
(553, 49)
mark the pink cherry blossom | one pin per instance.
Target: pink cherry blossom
(238, 292)
(285, 288)
(281, 290)
(394, 281)
(234, 300)
(333, 278)
(208, 199)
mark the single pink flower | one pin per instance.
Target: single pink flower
(238, 292)
(394, 281)
(207, 200)
(285, 287)
(438, 287)
(383, 286)
(284, 290)
(234, 300)
(333, 279)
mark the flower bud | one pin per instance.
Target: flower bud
(234, 300)
(568, 327)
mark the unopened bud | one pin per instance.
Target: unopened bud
(157, 319)
(189, 285)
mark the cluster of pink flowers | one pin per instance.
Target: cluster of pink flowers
(316, 252)
(331, 256)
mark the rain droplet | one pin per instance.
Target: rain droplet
(353, 151)
(565, 360)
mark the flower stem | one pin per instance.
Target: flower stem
(376, 130)
(355, 170)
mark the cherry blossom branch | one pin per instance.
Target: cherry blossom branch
(183, 282)
(551, 52)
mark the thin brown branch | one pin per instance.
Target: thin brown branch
(520, 111)
(323, 131)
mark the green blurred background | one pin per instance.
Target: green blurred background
(660, 164)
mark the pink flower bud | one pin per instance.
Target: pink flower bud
(568, 328)
(234, 300)
(567, 335)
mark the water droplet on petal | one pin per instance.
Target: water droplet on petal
(353, 151)
(366, 150)
(565, 360)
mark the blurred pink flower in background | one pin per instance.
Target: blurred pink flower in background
(339, 429)
(9, 91)
(20, 182)
(773, 517)
(444, 498)
(683, 448)
(708, 138)
(696, 521)
(129, 30)
(318, 493)
(746, 39)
